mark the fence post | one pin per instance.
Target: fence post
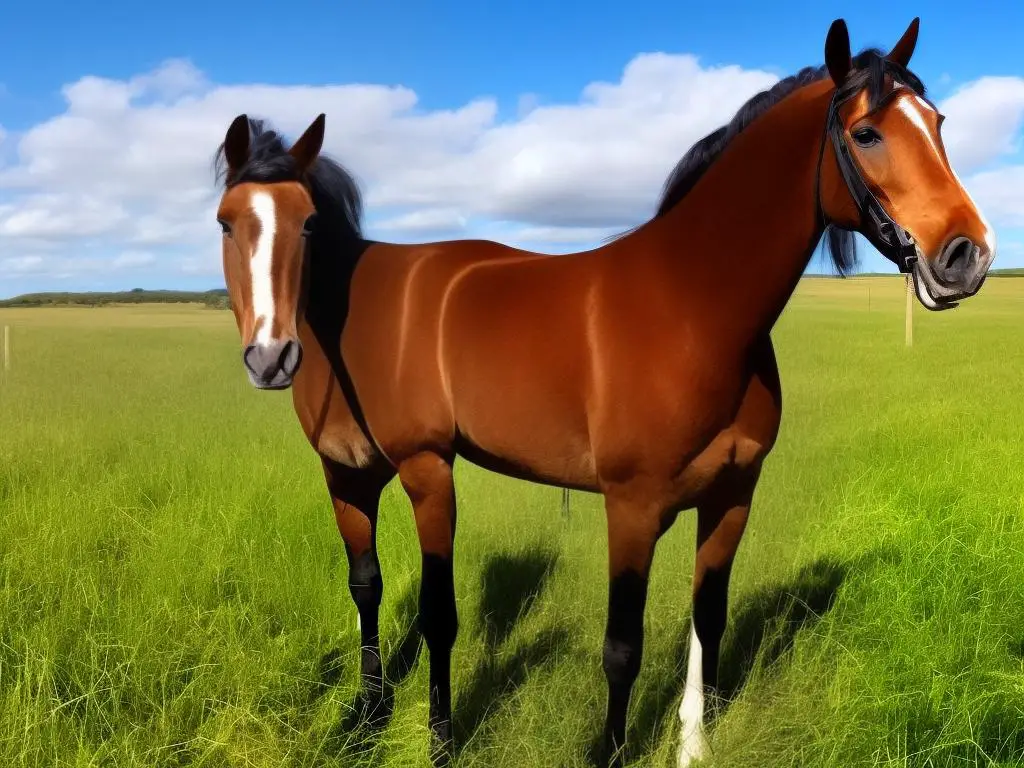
(910, 311)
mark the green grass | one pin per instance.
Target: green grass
(173, 589)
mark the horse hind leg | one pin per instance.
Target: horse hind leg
(355, 495)
(721, 521)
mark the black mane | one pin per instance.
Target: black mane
(335, 194)
(868, 70)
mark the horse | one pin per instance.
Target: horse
(642, 369)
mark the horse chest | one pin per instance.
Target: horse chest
(328, 423)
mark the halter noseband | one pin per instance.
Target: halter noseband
(891, 240)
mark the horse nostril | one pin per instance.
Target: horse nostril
(291, 357)
(248, 358)
(957, 259)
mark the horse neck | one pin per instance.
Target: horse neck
(737, 245)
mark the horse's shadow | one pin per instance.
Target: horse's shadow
(763, 629)
(510, 585)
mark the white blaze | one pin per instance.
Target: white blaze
(914, 108)
(260, 268)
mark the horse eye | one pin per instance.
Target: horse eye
(866, 137)
(307, 226)
(225, 227)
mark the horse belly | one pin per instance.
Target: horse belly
(524, 426)
(566, 461)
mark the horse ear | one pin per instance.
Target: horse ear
(904, 49)
(306, 149)
(236, 143)
(837, 52)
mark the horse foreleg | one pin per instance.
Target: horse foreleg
(355, 496)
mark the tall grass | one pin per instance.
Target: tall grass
(173, 589)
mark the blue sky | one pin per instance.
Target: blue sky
(450, 53)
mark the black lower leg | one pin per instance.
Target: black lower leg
(710, 608)
(439, 625)
(623, 649)
(367, 589)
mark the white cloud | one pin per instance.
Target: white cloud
(598, 162)
(1000, 193)
(133, 259)
(56, 215)
(427, 220)
(21, 265)
(126, 168)
(127, 164)
(983, 129)
(984, 121)
(571, 235)
(205, 267)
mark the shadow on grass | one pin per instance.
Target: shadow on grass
(763, 628)
(498, 677)
(510, 585)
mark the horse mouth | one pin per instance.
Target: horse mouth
(278, 381)
(930, 293)
(272, 386)
(937, 294)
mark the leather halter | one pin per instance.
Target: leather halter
(891, 240)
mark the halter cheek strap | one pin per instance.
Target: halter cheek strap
(891, 240)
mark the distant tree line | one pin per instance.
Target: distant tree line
(214, 299)
(218, 297)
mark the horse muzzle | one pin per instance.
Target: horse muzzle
(272, 365)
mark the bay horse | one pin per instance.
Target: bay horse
(642, 370)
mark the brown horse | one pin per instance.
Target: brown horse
(642, 370)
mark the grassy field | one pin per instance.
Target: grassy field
(173, 589)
